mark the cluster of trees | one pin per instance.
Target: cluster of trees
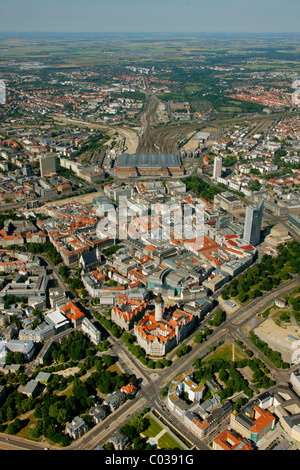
(94, 143)
(201, 335)
(14, 358)
(261, 380)
(107, 382)
(228, 373)
(75, 283)
(229, 160)
(13, 299)
(273, 356)
(8, 215)
(182, 350)
(46, 249)
(49, 428)
(133, 430)
(110, 326)
(16, 426)
(255, 186)
(15, 404)
(101, 379)
(75, 348)
(111, 250)
(199, 187)
(53, 409)
(260, 377)
(130, 95)
(159, 364)
(219, 102)
(235, 382)
(218, 319)
(266, 275)
(295, 303)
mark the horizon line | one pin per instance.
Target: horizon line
(150, 32)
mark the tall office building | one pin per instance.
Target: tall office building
(217, 167)
(253, 221)
(2, 92)
(47, 165)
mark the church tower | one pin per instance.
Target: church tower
(159, 307)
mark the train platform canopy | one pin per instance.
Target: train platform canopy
(150, 160)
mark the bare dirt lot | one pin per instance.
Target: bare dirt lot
(280, 338)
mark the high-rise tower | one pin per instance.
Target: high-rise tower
(47, 165)
(253, 221)
(217, 167)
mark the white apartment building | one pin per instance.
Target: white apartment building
(217, 167)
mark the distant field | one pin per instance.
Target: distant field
(76, 50)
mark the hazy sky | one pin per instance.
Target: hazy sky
(150, 15)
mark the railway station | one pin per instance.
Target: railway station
(148, 165)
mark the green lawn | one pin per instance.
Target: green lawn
(153, 429)
(168, 442)
(225, 352)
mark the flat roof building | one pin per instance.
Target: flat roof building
(47, 165)
(57, 320)
(227, 201)
(148, 165)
